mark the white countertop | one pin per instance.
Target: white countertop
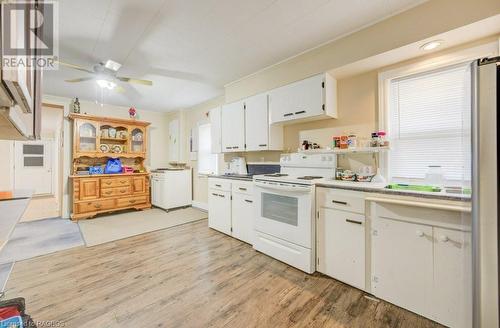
(11, 212)
(380, 188)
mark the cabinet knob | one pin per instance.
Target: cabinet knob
(444, 238)
(420, 233)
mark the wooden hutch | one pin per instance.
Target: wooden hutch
(95, 140)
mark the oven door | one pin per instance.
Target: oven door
(285, 211)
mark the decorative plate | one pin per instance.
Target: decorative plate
(116, 149)
(104, 148)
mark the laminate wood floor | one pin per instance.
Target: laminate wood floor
(190, 276)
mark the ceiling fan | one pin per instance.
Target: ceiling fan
(105, 75)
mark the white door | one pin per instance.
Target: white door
(284, 211)
(452, 272)
(215, 130)
(341, 246)
(256, 123)
(173, 140)
(219, 210)
(402, 270)
(233, 127)
(33, 166)
(242, 217)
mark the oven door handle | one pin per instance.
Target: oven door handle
(279, 187)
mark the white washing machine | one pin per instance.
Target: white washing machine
(171, 188)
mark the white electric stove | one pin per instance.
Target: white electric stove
(284, 202)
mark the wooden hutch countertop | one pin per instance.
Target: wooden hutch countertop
(106, 175)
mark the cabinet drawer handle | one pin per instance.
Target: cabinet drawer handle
(287, 114)
(236, 147)
(131, 201)
(248, 201)
(353, 221)
(123, 181)
(301, 112)
(263, 145)
(123, 191)
(218, 185)
(228, 147)
(108, 182)
(338, 202)
(222, 196)
(243, 189)
(444, 238)
(108, 192)
(215, 194)
(97, 205)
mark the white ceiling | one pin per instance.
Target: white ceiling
(191, 48)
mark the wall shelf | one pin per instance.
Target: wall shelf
(359, 150)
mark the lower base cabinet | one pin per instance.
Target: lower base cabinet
(231, 208)
(242, 217)
(219, 209)
(341, 246)
(425, 268)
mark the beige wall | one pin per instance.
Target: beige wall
(357, 95)
(419, 23)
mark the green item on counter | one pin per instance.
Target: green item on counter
(399, 186)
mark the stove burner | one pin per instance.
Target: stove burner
(309, 177)
(276, 175)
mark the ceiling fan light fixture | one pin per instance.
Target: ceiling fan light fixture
(112, 65)
(105, 84)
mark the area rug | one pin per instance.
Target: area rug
(109, 228)
(35, 238)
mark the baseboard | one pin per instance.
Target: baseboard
(200, 205)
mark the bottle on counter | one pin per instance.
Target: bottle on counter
(374, 141)
(382, 142)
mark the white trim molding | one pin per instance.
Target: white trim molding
(200, 206)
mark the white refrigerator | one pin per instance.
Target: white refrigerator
(485, 227)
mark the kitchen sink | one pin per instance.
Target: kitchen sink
(408, 187)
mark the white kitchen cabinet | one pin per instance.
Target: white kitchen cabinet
(215, 130)
(233, 127)
(452, 275)
(259, 134)
(341, 246)
(219, 210)
(309, 99)
(402, 268)
(242, 217)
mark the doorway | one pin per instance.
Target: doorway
(38, 165)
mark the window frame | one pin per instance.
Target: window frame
(447, 59)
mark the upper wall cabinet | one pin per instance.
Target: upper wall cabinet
(233, 127)
(311, 99)
(259, 134)
(215, 130)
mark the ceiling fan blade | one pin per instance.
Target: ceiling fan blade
(120, 89)
(137, 81)
(80, 68)
(80, 79)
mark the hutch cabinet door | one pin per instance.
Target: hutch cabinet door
(139, 185)
(86, 137)
(89, 188)
(137, 139)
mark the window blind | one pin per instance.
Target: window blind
(429, 124)
(207, 162)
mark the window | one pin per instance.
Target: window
(33, 155)
(207, 162)
(429, 124)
